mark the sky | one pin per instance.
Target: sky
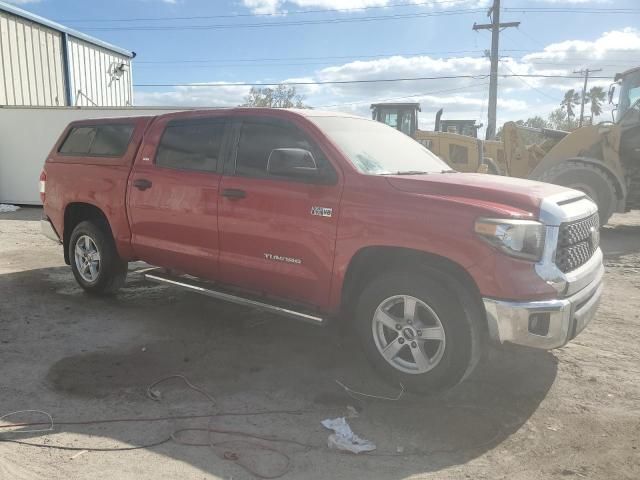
(231, 42)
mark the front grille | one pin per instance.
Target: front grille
(577, 242)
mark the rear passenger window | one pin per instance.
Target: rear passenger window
(259, 139)
(98, 141)
(111, 140)
(78, 141)
(191, 145)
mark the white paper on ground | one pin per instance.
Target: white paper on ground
(344, 438)
(4, 208)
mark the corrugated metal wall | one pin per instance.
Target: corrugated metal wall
(93, 80)
(32, 68)
(30, 63)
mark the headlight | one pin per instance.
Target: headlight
(518, 238)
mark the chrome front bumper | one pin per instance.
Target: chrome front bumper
(562, 319)
(48, 231)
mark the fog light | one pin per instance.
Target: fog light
(539, 323)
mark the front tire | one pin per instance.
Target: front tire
(588, 179)
(416, 332)
(95, 262)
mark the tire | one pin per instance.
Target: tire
(452, 350)
(95, 262)
(588, 179)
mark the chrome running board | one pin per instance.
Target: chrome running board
(193, 285)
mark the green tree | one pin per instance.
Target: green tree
(283, 96)
(559, 120)
(596, 97)
(534, 122)
(569, 102)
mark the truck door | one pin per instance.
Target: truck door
(277, 234)
(173, 194)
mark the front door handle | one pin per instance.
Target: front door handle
(234, 193)
(142, 184)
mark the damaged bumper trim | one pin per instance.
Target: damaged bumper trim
(544, 324)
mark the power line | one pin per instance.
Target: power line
(348, 82)
(613, 11)
(276, 14)
(382, 55)
(354, 57)
(528, 84)
(616, 11)
(381, 100)
(329, 21)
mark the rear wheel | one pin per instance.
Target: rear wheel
(588, 179)
(95, 262)
(415, 331)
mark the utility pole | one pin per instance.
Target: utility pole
(586, 73)
(495, 26)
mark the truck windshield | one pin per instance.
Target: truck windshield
(376, 149)
(629, 93)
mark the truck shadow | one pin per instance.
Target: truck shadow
(95, 357)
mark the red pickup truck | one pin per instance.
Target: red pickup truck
(321, 215)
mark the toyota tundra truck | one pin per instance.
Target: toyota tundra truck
(323, 217)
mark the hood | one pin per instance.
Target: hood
(481, 188)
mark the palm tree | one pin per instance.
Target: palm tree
(571, 99)
(596, 96)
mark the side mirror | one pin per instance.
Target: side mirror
(612, 91)
(292, 162)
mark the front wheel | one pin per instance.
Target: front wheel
(590, 180)
(95, 262)
(416, 332)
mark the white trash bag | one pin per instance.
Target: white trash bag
(344, 438)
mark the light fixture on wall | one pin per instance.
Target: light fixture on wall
(116, 71)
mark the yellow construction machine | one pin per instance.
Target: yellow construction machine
(601, 160)
(464, 152)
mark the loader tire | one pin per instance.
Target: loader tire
(588, 179)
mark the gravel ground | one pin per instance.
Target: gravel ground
(569, 413)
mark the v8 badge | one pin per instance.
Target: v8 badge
(322, 211)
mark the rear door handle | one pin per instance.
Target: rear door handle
(142, 183)
(234, 193)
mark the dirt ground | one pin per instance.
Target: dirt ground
(569, 413)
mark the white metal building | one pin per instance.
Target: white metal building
(44, 64)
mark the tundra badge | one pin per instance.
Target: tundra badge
(280, 258)
(322, 211)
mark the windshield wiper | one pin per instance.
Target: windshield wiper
(449, 171)
(407, 172)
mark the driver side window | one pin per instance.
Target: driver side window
(259, 138)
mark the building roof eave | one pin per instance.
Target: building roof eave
(12, 9)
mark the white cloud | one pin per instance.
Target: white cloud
(460, 97)
(279, 6)
(22, 2)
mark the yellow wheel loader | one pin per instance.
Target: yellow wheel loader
(462, 152)
(601, 160)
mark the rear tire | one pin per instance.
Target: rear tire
(426, 348)
(588, 179)
(95, 262)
